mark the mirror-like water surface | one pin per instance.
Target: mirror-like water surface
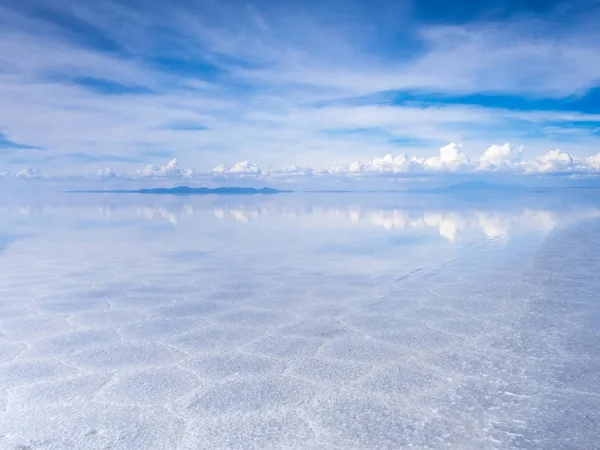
(299, 321)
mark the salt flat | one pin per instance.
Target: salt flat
(299, 322)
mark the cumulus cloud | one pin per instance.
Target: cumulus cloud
(385, 164)
(291, 171)
(169, 170)
(243, 168)
(354, 167)
(395, 164)
(594, 162)
(505, 158)
(450, 159)
(558, 161)
(500, 157)
(107, 172)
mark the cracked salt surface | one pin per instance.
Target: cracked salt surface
(298, 324)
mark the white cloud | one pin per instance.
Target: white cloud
(169, 170)
(594, 162)
(23, 173)
(504, 158)
(517, 56)
(395, 164)
(558, 161)
(389, 163)
(352, 168)
(28, 173)
(241, 169)
(500, 157)
(291, 171)
(106, 172)
(450, 159)
(220, 169)
(288, 71)
(245, 168)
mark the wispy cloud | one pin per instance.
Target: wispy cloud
(23, 173)
(7, 144)
(284, 85)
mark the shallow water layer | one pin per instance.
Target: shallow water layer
(299, 321)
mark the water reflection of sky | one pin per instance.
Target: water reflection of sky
(450, 224)
(450, 220)
(355, 321)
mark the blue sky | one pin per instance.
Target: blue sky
(86, 85)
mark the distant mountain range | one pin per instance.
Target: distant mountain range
(466, 188)
(186, 190)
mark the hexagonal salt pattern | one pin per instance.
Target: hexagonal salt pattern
(299, 335)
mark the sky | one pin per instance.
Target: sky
(346, 87)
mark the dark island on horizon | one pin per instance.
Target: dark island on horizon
(186, 190)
